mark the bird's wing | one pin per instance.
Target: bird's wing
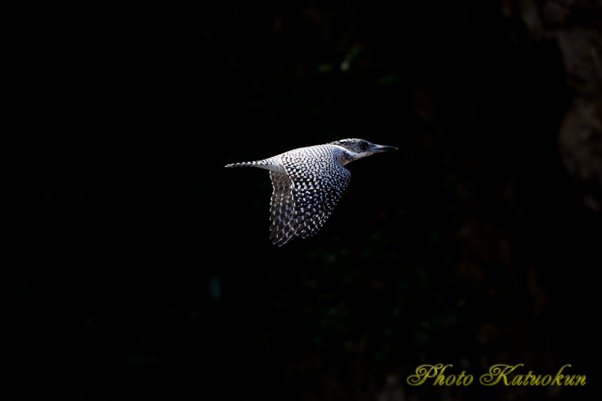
(315, 193)
(282, 209)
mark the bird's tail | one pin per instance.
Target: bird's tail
(267, 164)
(246, 164)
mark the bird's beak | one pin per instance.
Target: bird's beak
(383, 148)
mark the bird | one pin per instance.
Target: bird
(308, 183)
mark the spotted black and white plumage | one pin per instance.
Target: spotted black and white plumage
(308, 183)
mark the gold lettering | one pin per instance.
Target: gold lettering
(425, 372)
(559, 376)
(440, 379)
(464, 379)
(531, 379)
(498, 372)
(517, 380)
(574, 380)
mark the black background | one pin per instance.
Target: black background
(139, 268)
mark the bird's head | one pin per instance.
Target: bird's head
(357, 148)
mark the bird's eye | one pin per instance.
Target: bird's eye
(364, 146)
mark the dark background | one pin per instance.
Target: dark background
(137, 267)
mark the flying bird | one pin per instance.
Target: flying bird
(308, 183)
